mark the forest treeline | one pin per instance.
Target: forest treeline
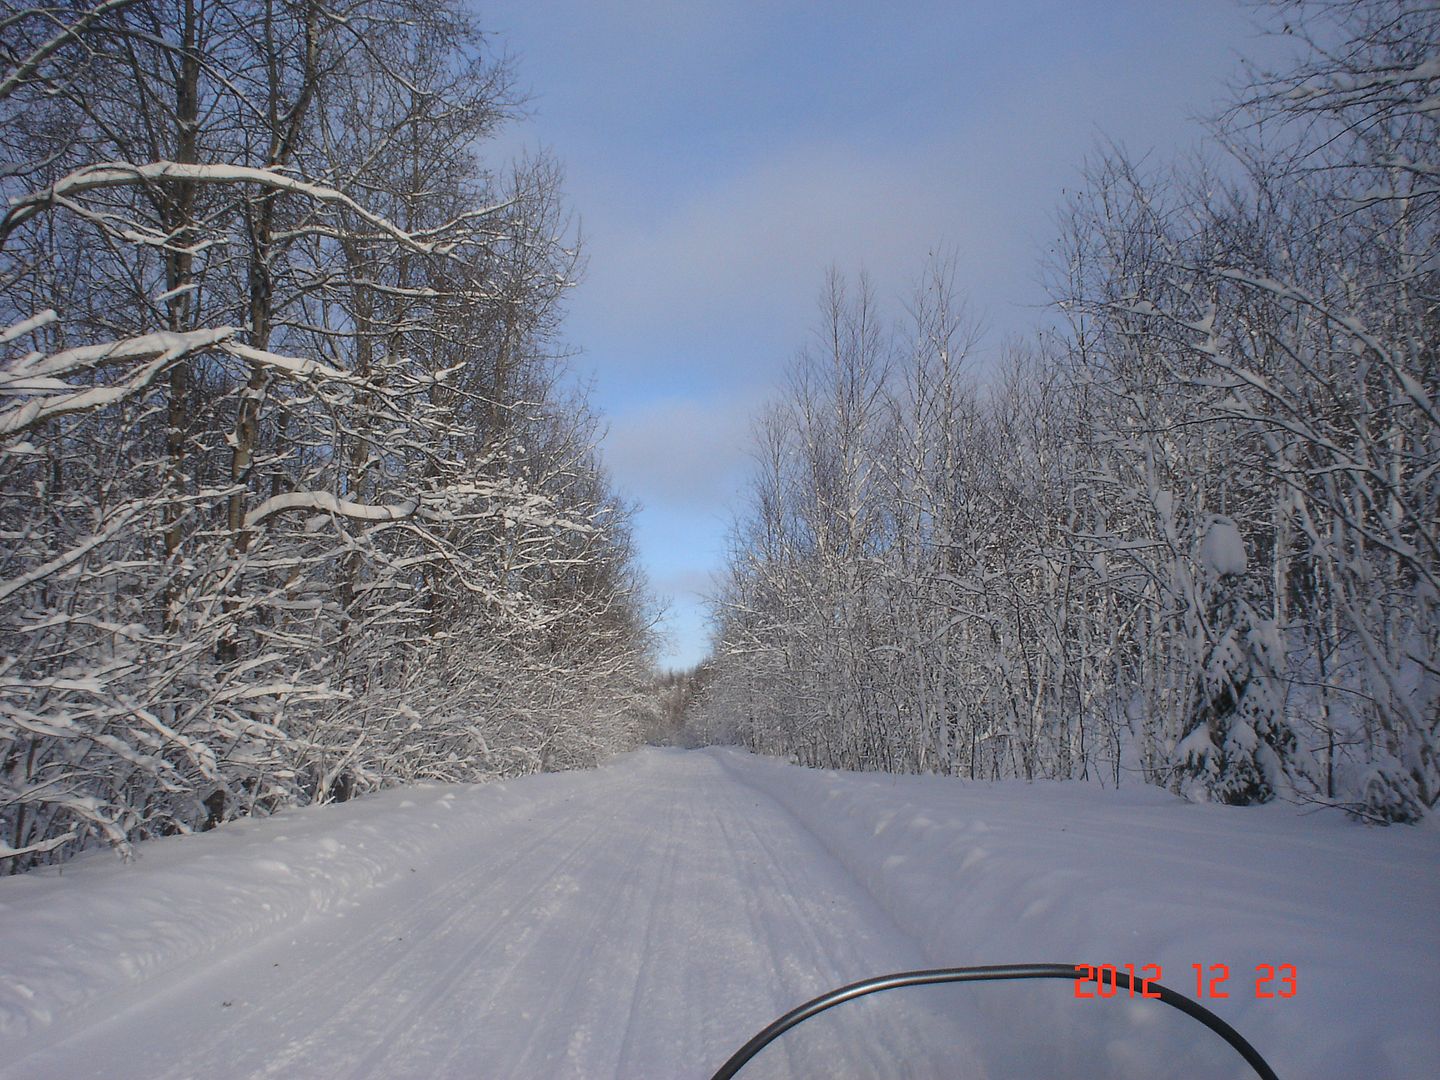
(296, 499)
(1190, 538)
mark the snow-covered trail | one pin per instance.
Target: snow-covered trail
(645, 918)
(641, 922)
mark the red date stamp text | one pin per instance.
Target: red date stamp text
(1215, 981)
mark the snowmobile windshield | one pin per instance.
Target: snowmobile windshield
(1000, 1021)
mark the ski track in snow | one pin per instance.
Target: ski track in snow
(645, 925)
(644, 919)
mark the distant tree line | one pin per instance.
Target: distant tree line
(673, 695)
(295, 499)
(1193, 538)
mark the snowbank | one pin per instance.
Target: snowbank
(184, 900)
(1010, 872)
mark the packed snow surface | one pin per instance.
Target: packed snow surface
(645, 918)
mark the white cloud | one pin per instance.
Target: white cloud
(745, 259)
(685, 585)
(680, 454)
(746, 244)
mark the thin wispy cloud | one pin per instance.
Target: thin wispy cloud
(680, 453)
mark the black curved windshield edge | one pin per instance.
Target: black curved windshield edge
(989, 973)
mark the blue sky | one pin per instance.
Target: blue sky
(720, 156)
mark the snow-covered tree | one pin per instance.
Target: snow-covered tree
(1194, 537)
(287, 461)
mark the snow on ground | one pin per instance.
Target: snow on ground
(645, 918)
(1006, 872)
